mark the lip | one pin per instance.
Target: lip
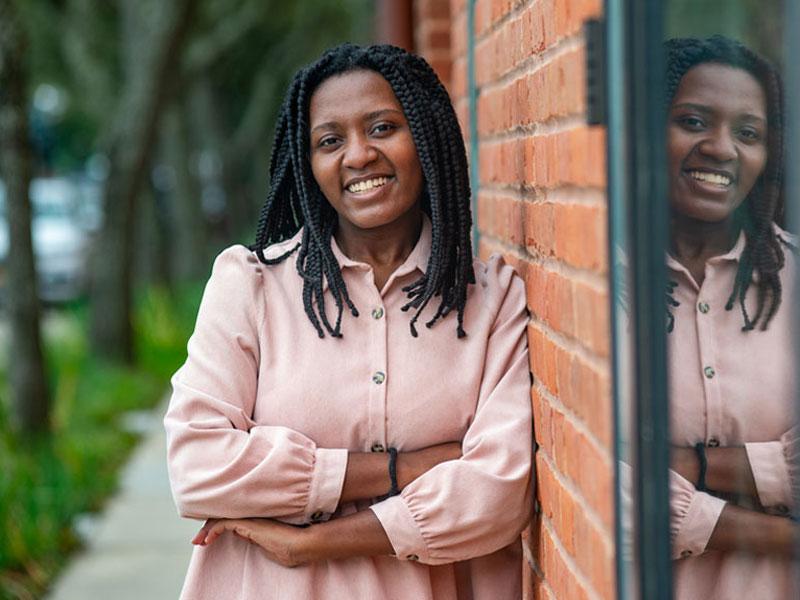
(372, 194)
(728, 174)
(361, 178)
(706, 188)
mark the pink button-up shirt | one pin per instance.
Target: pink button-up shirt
(264, 413)
(731, 388)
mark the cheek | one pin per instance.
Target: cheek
(678, 147)
(753, 165)
(326, 180)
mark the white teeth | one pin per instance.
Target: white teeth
(711, 177)
(363, 186)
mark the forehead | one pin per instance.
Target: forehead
(724, 88)
(351, 95)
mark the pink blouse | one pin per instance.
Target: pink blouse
(731, 388)
(264, 413)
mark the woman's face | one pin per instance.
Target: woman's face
(362, 153)
(716, 141)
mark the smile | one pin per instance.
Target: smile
(715, 178)
(367, 185)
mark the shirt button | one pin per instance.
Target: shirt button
(713, 442)
(377, 447)
(379, 377)
(709, 372)
(317, 516)
(377, 313)
(703, 307)
(686, 554)
(413, 557)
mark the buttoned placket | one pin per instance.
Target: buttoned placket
(708, 352)
(380, 376)
(703, 315)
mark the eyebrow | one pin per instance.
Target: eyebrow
(702, 108)
(367, 117)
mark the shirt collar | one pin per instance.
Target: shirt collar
(734, 254)
(417, 259)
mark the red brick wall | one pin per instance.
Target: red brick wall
(541, 203)
(432, 35)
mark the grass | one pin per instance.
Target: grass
(48, 481)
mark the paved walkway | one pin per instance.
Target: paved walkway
(139, 549)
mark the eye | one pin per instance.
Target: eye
(691, 122)
(382, 128)
(750, 134)
(327, 141)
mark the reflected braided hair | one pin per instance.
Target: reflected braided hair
(763, 253)
(295, 200)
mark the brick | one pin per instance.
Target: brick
(540, 204)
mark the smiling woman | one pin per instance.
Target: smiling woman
(731, 372)
(407, 477)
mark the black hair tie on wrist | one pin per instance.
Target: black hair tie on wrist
(700, 450)
(394, 490)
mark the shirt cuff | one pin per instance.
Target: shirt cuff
(327, 479)
(697, 525)
(770, 473)
(401, 529)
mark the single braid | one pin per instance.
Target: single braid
(763, 256)
(295, 200)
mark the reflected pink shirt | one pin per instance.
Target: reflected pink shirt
(264, 413)
(731, 388)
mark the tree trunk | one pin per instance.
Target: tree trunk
(130, 148)
(189, 249)
(30, 399)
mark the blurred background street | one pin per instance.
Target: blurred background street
(134, 145)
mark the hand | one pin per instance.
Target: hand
(685, 463)
(284, 544)
(411, 465)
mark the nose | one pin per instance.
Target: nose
(719, 145)
(359, 152)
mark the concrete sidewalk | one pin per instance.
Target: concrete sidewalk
(139, 548)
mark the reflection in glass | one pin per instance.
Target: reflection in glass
(731, 271)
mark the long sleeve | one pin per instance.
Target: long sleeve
(479, 503)
(221, 463)
(693, 516)
(775, 469)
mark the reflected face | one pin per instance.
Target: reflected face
(362, 154)
(716, 141)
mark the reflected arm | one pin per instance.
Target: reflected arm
(754, 532)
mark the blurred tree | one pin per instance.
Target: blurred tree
(756, 23)
(152, 35)
(29, 393)
(215, 70)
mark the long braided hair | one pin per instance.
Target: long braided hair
(764, 204)
(295, 200)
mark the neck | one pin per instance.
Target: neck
(693, 239)
(380, 247)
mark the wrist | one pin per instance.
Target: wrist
(311, 544)
(405, 469)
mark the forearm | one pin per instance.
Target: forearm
(367, 474)
(739, 529)
(359, 534)
(729, 471)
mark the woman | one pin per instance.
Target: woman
(732, 368)
(310, 396)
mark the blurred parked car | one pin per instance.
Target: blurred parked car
(61, 238)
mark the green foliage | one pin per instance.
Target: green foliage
(756, 23)
(45, 483)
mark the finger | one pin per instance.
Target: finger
(217, 530)
(201, 535)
